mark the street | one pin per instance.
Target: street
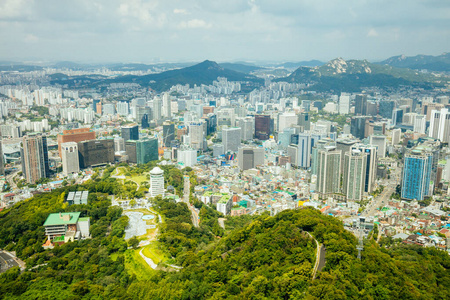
(6, 261)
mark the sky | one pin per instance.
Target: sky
(100, 31)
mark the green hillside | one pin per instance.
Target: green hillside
(256, 257)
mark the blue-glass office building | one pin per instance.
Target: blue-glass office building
(416, 180)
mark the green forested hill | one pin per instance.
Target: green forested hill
(262, 258)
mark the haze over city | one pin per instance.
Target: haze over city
(250, 30)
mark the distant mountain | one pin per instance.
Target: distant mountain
(294, 65)
(69, 65)
(19, 67)
(354, 75)
(420, 62)
(239, 67)
(202, 73)
(146, 67)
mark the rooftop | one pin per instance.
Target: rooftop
(62, 219)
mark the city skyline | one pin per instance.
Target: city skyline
(175, 31)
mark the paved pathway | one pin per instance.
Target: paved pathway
(149, 261)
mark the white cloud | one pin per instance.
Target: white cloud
(180, 11)
(194, 23)
(31, 38)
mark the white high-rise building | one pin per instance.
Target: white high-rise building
(156, 182)
(247, 125)
(157, 109)
(231, 139)
(167, 105)
(354, 174)
(287, 119)
(196, 135)
(344, 104)
(329, 170)
(420, 124)
(123, 108)
(396, 135)
(69, 158)
(380, 142)
(187, 157)
(440, 125)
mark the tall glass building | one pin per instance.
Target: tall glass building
(416, 179)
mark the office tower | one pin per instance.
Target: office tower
(156, 182)
(397, 117)
(75, 135)
(94, 104)
(145, 121)
(420, 124)
(328, 170)
(358, 127)
(300, 152)
(196, 135)
(361, 105)
(344, 104)
(427, 108)
(109, 109)
(167, 108)
(123, 108)
(396, 136)
(247, 126)
(263, 127)
(385, 108)
(354, 174)
(142, 151)
(231, 139)
(416, 178)
(371, 165)
(187, 157)
(287, 119)
(218, 150)
(69, 159)
(318, 105)
(372, 109)
(284, 138)
(119, 144)
(130, 132)
(2, 162)
(304, 121)
(157, 109)
(211, 123)
(141, 111)
(306, 105)
(440, 125)
(168, 133)
(320, 145)
(380, 142)
(96, 152)
(249, 157)
(34, 155)
(208, 110)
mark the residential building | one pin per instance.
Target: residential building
(354, 174)
(231, 139)
(34, 155)
(328, 170)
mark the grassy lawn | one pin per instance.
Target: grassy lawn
(138, 178)
(152, 251)
(136, 265)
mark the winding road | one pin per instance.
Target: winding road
(320, 257)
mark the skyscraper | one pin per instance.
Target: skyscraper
(2, 163)
(385, 108)
(358, 127)
(75, 135)
(130, 132)
(397, 117)
(300, 152)
(231, 139)
(416, 178)
(157, 109)
(196, 135)
(247, 126)
(167, 110)
(371, 165)
(69, 158)
(168, 133)
(344, 104)
(328, 170)
(35, 158)
(142, 151)
(440, 125)
(354, 174)
(304, 121)
(361, 105)
(96, 152)
(263, 127)
(380, 142)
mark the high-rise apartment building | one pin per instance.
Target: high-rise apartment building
(34, 154)
(69, 159)
(123, 108)
(354, 174)
(196, 135)
(328, 170)
(440, 125)
(420, 124)
(371, 165)
(300, 150)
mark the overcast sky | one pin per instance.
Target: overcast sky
(228, 30)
